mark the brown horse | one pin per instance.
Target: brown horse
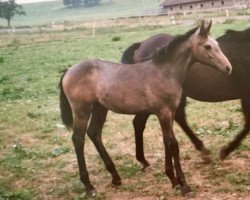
(202, 84)
(93, 87)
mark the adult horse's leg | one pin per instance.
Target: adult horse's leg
(180, 118)
(226, 150)
(172, 151)
(139, 123)
(94, 132)
(79, 130)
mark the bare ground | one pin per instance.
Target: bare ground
(219, 180)
(229, 179)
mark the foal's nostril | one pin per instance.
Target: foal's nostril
(228, 69)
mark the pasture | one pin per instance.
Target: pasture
(37, 159)
(54, 11)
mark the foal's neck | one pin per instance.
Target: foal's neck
(181, 62)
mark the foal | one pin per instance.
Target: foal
(93, 87)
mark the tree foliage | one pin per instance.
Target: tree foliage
(8, 9)
(77, 3)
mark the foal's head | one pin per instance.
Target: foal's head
(207, 51)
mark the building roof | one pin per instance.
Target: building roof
(178, 2)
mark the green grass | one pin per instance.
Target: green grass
(36, 150)
(20, 195)
(55, 11)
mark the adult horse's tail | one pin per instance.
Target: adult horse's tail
(66, 112)
(128, 54)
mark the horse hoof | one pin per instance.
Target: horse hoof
(205, 151)
(116, 182)
(190, 195)
(147, 169)
(206, 158)
(223, 153)
(186, 191)
(176, 186)
(92, 193)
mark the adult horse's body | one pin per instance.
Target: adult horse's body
(93, 87)
(204, 84)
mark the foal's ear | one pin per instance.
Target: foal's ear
(208, 27)
(200, 29)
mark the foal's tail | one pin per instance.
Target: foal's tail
(66, 112)
(128, 54)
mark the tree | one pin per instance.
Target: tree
(8, 9)
(91, 2)
(77, 3)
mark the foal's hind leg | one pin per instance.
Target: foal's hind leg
(180, 118)
(81, 118)
(226, 150)
(94, 132)
(139, 123)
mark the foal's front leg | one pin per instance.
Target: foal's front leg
(172, 151)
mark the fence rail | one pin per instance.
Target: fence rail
(112, 21)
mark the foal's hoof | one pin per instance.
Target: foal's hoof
(117, 182)
(187, 192)
(223, 153)
(206, 158)
(205, 155)
(144, 165)
(190, 195)
(92, 193)
(205, 151)
(147, 168)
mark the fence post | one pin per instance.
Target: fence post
(173, 20)
(93, 30)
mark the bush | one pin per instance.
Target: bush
(229, 21)
(116, 38)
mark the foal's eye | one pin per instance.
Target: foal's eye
(207, 47)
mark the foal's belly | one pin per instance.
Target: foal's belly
(125, 105)
(138, 98)
(206, 84)
(124, 100)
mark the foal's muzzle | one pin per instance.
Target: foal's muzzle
(228, 69)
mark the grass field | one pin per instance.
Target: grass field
(55, 11)
(37, 159)
(46, 13)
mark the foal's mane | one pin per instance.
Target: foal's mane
(166, 52)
